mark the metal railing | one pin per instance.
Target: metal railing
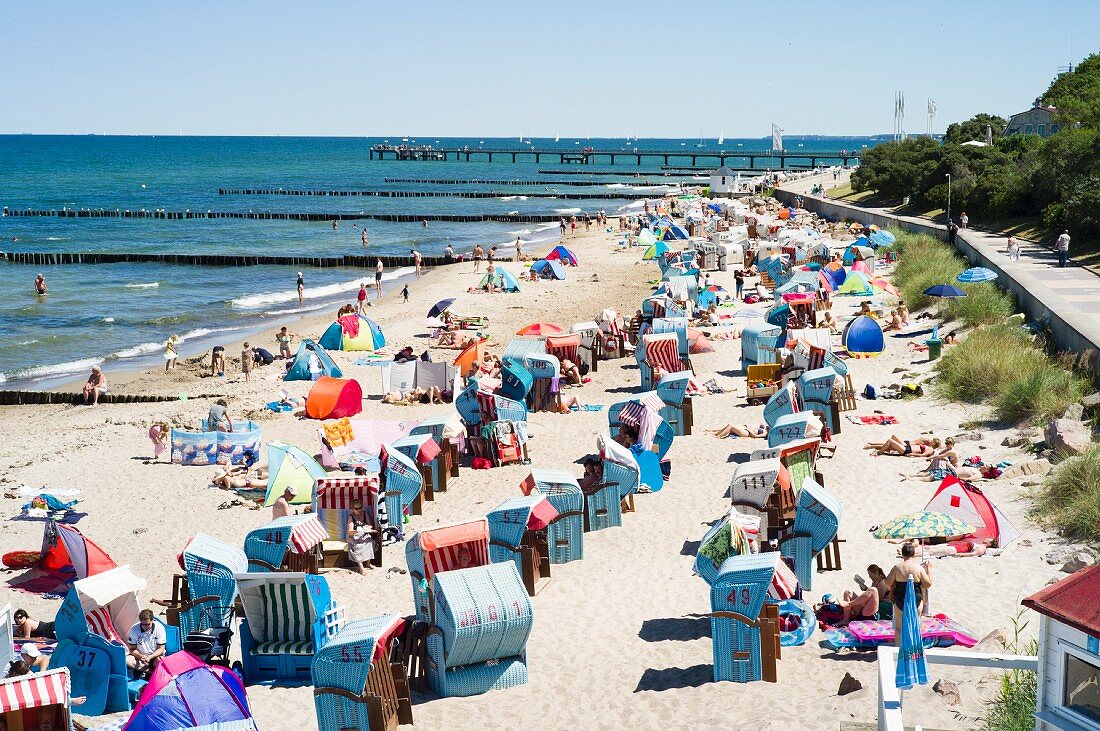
(890, 698)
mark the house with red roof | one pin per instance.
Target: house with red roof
(1068, 694)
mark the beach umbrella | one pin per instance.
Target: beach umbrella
(912, 666)
(924, 524)
(440, 307)
(946, 291)
(886, 286)
(856, 227)
(714, 207)
(881, 238)
(977, 274)
(539, 329)
(872, 227)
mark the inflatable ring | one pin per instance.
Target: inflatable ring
(807, 621)
(21, 559)
(611, 343)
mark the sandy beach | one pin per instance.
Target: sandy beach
(620, 639)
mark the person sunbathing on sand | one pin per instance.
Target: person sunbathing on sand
(453, 340)
(570, 371)
(919, 447)
(960, 547)
(568, 402)
(943, 465)
(859, 606)
(741, 430)
(239, 477)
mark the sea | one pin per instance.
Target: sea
(119, 315)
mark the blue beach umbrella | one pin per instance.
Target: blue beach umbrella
(714, 207)
(912, 666)
(946, 291)
(977, 274)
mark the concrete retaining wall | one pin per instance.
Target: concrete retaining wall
(1072, 332)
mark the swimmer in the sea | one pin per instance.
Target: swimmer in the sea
(40, 285)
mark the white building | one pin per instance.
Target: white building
(723, 183)
(1069, 653)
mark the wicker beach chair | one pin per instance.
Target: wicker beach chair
(287, 618)
(467, 404)
(290, 543)
(402, 485)
(815, 388)
(620, 468)
(517, 533)
(332, 498)
(765, 486)
(744, 628)
(816, 520)
(658, 353)
(677, 409)
(564, 347)
(794, 427)
(758, 342)
(516, 381)
(590, 344)
(356, 683)
(478, 614)
(429, 459)
(566, 531)
(91, 625)
(209, 585)
(439, 427)
(546, 370)
(782, 402)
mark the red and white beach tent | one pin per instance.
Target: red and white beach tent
(969, 504)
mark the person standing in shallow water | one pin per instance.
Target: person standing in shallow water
(301, 289)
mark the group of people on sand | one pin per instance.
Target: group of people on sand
(943, 459)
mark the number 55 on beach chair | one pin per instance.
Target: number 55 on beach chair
(477, 615)
(357, 684)
(287, 618)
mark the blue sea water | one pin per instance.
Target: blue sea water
(120, 314)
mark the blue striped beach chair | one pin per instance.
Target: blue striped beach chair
(765, 486)
(793, 427)
(782, 402)
(287, 618)
(677, 411)
(355, 683)
(290, 543)
(513, 538)
(545, 369)
(211, 566)
(744, 628)
(441, 428)
(816, 521)
(620, 468)
(566, 531)
(758, 341)
(429, 459)
(515, 380)
(655, 436)
(332, 499)
(815, 389)
(479, 614)
(466, 403)
(402, 484)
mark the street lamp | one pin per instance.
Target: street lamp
(949, 198)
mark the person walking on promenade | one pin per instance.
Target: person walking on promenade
(1062, 246)
(964, 220)
(1013, 249)
(952, 232)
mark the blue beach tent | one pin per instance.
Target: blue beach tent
(549, 269)
(300, 367)
(502, 279)
(863, 338)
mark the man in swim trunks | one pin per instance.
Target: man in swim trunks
(897, 581)
(40, 285)
(476, 256)
(378, 267)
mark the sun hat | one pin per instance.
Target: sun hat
(30, 651)
(291, 489)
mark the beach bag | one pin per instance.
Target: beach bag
(869, 392)
(828, 615)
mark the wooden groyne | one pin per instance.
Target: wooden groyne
(28, 398)
(433, 193)
(359, 261)
(535, 183)
(282, 216)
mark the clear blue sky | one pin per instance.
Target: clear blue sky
(539, 69)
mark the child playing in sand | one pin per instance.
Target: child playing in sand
(158, 435)
(170, 354)
(246, 363)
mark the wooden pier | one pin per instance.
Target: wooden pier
(776, 159)
(356, 261)
(485, 194)
(281, 215)
(534, 183)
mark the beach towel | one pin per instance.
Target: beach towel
(879, 419)
(350, 325)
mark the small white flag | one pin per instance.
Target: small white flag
(777, 137)
(932, 107)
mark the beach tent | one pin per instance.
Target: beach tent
(63, 546)
(184, 693)
(502, 280)
(311, 358)
(560, 253)
(882, 238)
(856, 283)
(675, 233)
(969, 504)
(657, 248)
(549, 269)
(288, 465)
(863, 338)
(334, 398)
(353, 332)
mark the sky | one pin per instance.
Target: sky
(522, 68)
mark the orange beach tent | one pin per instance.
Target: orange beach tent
(334, 398)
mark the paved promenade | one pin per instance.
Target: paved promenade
(1069, 298)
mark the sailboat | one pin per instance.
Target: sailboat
(700, 143)
(521, 138)
(557, 138)
(721, 139)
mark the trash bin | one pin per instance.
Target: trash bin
(935, 348)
